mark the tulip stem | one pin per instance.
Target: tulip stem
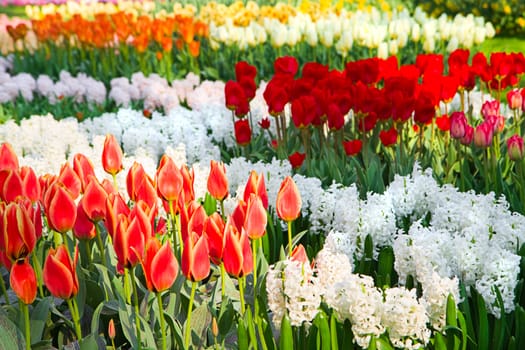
(241, 292)
(162, 321)
(38, 271)
(64, 241)
(187, 334)
(136, 300)
(88, 252)
(254, 254)
(223, 274)
(222, 210)
(4, 290)
(290, 238)
(100, 244)
(27, 326)
(115, 181)
(75, 315)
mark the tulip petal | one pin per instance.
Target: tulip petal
(164, 268)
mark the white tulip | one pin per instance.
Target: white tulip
(382, 50)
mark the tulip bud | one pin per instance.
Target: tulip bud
(299, 254)
(243, 133)
(169, 179)
(112, 155)
(18, 234)
(296, 159)
(255, 219)
(195, 262)
(237, 257)
(288, 203)
(111, 329)
(8, 157)
(515, 148)
(458, 125)
(483, 135)
(217, 181)
(352, 147)
(388, 137)
(23, 281)
(515, 99)
(467, 138)
(60, 275)
(61, 209)
(159, 265)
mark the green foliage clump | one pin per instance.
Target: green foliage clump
(507, 16)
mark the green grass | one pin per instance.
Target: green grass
(13, 11)
(502, 44)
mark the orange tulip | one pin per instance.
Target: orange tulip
(288, 204)
(217, 181)
(146, 192)
(255, 219)
(61, 209)
(237, 254)
(169, 179)
(160, 266)
(256, 185)
(94, 200)
(84, 168)
(299, 254)
(112, 155)
(8, 157)
(23, 281)
(60, 275)
(145, 216)
(18, 238)
(195, 263)
(197, 219)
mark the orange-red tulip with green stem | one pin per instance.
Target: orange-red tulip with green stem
(112, 333)
(218, 183)
(256, 185)
(170, 184)
(195, 265)
(60, 278)
(30, 184)
(94, 204)
(160, 270)
(84, 168)
(213, 230)
(18, 235)
(288, 205)
(61, 211)
(112, 157)
(8, 157)
(24, 283)
(255, 226)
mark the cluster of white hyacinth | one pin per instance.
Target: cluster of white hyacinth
(387, 32)
(296, 289)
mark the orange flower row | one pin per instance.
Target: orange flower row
(110, 30)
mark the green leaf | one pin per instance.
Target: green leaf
(210, 204)
(286, 336)
(92, 342)
(385, 267)
(383, 344)
(324, 330)
(483, 323)
(242, 335)
(39, 317)
(11, 338)
(333, 332)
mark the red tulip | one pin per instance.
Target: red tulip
(288, 204)
(84, 168)
(214, 232)
(169, 179)
(388, 137)
(133, 180)
(249, 87)
(239, 214)
(23, 281)
(234, 95)
(94, 200)
(255, 219)
(159, 265)
(217, 181)
(276, 96)
(197, 220)
(18, 235)
(336, 119)
(304, 111)
(60, 275)
(296, 159)
(146, 191)
(12, 186)
(264, 123)
(443, 122)
(256, 185)
(61, 209)
(515, 148)
(115, 205)
(469, 135)
(146, 217)
(128, 243)
(352, 147)
(243, 133)
(112, 155)
(188, 178)
(286, 65)
(30, 184)
(195, 262)
(69, 178)
(245, 70)
(8, 157)
(84, 228)
(237, 256)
